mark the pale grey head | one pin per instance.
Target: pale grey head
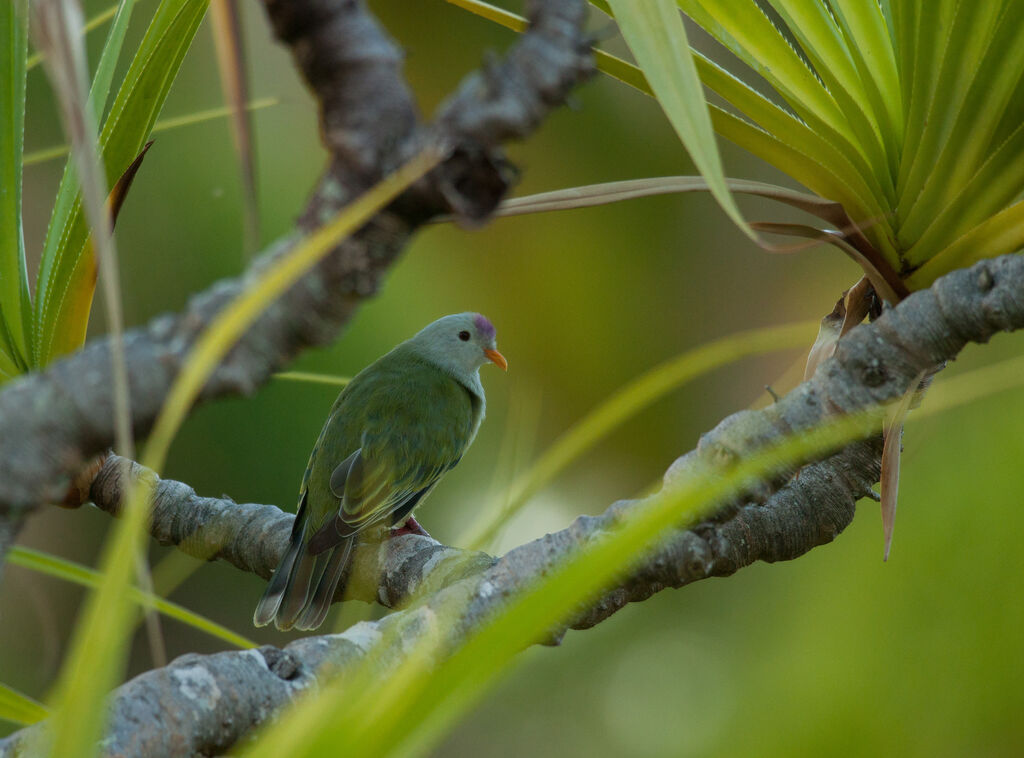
(460, 344)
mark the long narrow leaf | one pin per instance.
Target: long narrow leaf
(1002, 233)
(891, 453)
(885, 281)
(991, 189)
(743, 27)
(970, 141)
(902, 18)
(928, 31)
(8, 368)
(861, 206)
(311, 378)
(786, 128)
(432, 698)
(165, 124)
(15, 305)
(58, 24)
(95, 22)
(101, 636)
(70, 329)
(784, 141)
(127, 128)
(100, 90)
(655, 33)
(19, 708)
(227, 34)
(68, 198)
(870, 42)
(69, 571)
(614, 192)
(967, 40)
(822, 40)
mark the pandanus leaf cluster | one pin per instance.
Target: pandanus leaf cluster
(908, 115)
(40, 323)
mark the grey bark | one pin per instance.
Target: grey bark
(214, 700)
(52, 423)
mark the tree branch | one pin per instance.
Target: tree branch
(254, 538)
(51, 423)
(217, 699)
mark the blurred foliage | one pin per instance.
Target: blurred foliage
(834, 652)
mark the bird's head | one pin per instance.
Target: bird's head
(460, 343)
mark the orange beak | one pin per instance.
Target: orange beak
(496, 358)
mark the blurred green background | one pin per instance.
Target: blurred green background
(835, 653)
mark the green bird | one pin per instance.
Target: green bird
(394, 431)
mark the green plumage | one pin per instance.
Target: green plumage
(393, 432)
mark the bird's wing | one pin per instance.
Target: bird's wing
(377, 488)
(405, 447)
(340, 474)
(368, 497)
(307, 475)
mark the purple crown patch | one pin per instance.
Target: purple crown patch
(484, 326)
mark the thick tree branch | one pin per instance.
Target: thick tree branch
(216, 699)
(254, 538)
(51, 423)
(780, 520)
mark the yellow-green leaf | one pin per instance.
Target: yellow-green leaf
(971, 139)
(951, 45)
(1002, 233)
(225, 23)
(127, 127)
(870, 42)
(70, 328)
(312, 378)
(93, 23)
(654, 32)
(69, 571)
(19, 708)
(15, 305)
(100, 639)
(743, 27)
(164, 124)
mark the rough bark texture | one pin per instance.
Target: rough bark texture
(254, 538)
(51, 423)
(213, 700)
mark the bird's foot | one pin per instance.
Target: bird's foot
(411, 526)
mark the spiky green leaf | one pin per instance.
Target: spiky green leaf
(69, 571)
(19, 708)
(655, 34)
(127, 127)
(15, 304)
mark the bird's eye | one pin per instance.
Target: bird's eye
(464, 336)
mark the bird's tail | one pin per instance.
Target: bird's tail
(300, 592)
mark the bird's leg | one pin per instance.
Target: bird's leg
(411, 526)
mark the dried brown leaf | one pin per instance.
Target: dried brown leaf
(825, 343)
(891, 451)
